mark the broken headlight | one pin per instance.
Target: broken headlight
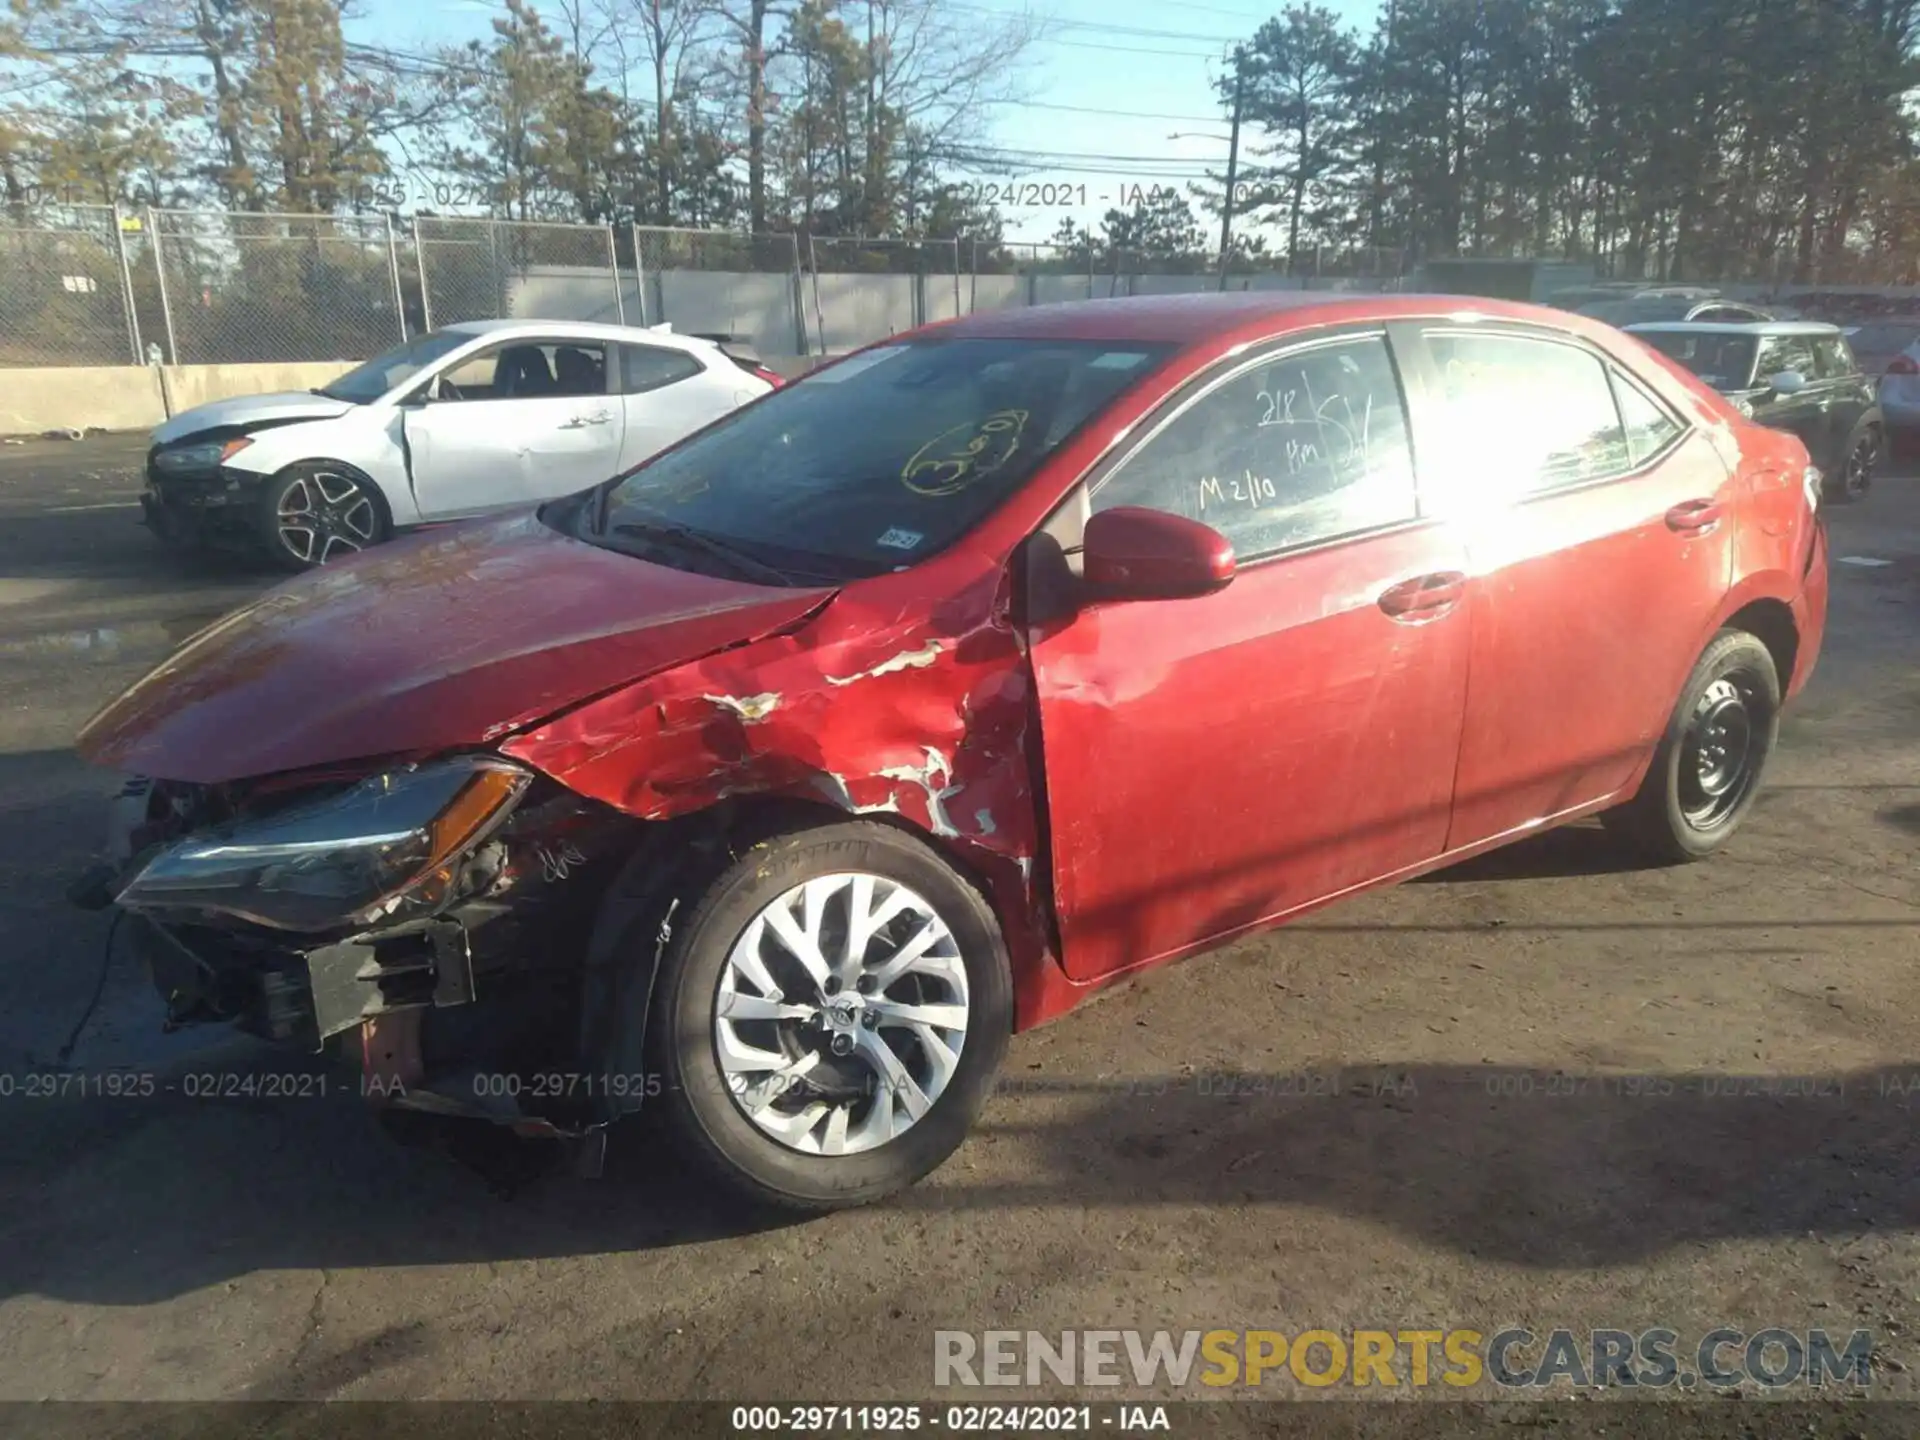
(391, 843)
(207, 455)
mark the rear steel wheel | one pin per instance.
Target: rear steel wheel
(1706, 772)
(1856, 476)
(1719, 752)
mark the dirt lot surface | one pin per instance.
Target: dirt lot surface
(1498, 1097)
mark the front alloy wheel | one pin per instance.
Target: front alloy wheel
(875, 1027)
(830, 1017)
(320, 512)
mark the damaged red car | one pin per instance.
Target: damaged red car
(776, 783)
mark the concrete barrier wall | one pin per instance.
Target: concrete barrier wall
(80, 397)
(191, 385)
(757, 308)
(137, 397)
(845, 312)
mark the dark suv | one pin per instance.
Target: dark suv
(1794, 375)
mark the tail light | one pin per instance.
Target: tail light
(757, 370)
(1903, 365)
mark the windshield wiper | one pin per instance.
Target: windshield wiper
(714, 548)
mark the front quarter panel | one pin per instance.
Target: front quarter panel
(908, 696)
(366, 437)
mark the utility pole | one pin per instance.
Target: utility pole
(1233, 161)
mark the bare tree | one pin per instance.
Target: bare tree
(751, 22)
(674, 41)
(933, 76)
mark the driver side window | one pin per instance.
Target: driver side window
(1302, 447)
(522, 370)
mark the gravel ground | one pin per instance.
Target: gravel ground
(176, 1248)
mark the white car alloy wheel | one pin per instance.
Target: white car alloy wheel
(322, 513)
(841, 1014)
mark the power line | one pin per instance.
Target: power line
(1097, 110)
(1128, 49)
(1105, 27)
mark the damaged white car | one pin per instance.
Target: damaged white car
(473, 418)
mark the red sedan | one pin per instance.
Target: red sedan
(777, 782)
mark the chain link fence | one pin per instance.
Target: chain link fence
(63, 288)
(719, 282)
(861, 290)
(94, 285)
(240, 287)
(475, 269)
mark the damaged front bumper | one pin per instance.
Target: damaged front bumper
(470, 1011)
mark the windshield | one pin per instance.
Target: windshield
(876, 462)
(366, 383)
(1723, 361)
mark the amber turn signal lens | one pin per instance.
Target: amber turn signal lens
(483, 796)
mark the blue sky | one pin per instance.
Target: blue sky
(1092, 59)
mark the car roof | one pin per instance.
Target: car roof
(579, 329)
(1729, 327)
(1195, 318)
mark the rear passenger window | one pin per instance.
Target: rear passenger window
(648, 367)
(1831, 358)
(1521, 416)
(1307, 446)
(1780, 353)
(1650, 429)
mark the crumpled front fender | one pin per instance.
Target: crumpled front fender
(929, 719)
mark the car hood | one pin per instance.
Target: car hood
(447, 640)
(251, 410)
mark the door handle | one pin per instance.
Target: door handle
(580, 421)
(1425, 597)
(1694, 517)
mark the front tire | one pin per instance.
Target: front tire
(1706, 773)
(319, 511)
(830, 1017)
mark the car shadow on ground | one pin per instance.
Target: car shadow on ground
(161, 1189)
(1907, 817)
(137, 1200)
(1566, 852)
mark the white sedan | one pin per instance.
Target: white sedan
(480, 416)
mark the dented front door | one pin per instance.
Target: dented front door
(1215, 762)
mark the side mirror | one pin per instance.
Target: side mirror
(1133, 553)
(1787, 382)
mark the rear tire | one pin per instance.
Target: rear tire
(776, 1071)
(319, 511)
(1855, 479)
(1707, 771)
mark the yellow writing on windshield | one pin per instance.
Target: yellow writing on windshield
(957, 457)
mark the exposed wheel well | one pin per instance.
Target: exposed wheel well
(1771, 623)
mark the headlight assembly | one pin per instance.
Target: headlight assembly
(392, 843)
(208, 455)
